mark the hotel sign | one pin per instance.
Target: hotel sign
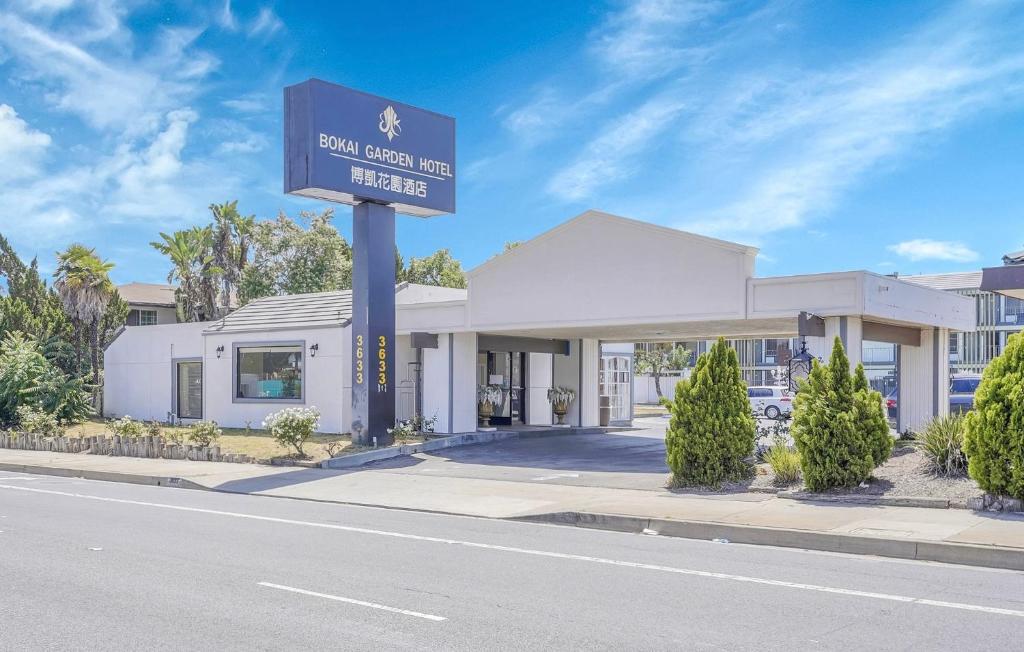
(346, 146)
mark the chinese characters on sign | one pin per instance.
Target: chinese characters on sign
(386, 181)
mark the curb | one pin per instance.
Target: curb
(105, 476)
(466, 439)
(888, 501)
(937, 551)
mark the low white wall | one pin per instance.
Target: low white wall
(644, 391)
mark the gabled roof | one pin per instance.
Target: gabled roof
(147, 294)
(291, 311)
(595, 216)
(951, 281)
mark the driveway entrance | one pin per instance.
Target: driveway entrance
(633, 459)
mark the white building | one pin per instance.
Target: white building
(533, 317)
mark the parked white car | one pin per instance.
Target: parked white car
(772, 402)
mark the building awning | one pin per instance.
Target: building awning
(1007, 280)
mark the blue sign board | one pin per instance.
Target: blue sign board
(342, 145)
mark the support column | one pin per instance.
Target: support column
(850, 331)
(924, 380)
(589, 394)
(373, 324)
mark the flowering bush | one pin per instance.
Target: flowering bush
(403, 430)
(561, 396)
(293, 426)
(204, 433)
(126, 427)
(38, 422)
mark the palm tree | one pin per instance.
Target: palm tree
(82, 281)
(232, 237)
(195, 271)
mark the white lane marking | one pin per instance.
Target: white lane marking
(541, 553)
(361, 603)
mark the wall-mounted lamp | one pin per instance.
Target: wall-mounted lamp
(313, 349)
(220, 349)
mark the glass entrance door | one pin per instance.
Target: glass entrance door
(508, 371)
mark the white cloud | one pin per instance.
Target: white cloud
(226, 18)
(21, 147)
(643, 39)
(606, 158)
(253, 103)
(266, 23)
(925, 249)
(820, 133)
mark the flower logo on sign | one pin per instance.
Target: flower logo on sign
(390, 125)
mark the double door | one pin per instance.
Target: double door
(507, 371)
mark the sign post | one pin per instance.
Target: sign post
(382, 157)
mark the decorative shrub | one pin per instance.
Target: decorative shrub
(869, 418)
(711, 433)
(293, 426)
(204, 433)
(994, 429)
(153, 428)
(941, 441)
(828, 422)
(785, 462)
(38, 422)
(403, 430)
(126, 427)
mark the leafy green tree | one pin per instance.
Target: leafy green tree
(994, 429)
(22, 364)
(658, 359)
(711, 433)
(291, 259)
(439, 268)
(834, 452)
(84, 286)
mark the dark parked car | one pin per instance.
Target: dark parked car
(890, 403)
(961, 392)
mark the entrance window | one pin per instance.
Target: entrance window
(189, 390)
(615, 389)
(269, 372)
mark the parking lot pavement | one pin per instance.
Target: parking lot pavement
(633, 459)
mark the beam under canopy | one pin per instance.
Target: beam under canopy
(510, 343)
(875, 332)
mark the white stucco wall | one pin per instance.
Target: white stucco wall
(138, 372)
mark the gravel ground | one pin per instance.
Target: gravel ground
(905, 474)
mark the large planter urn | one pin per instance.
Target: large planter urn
(560, 409)
(486, 411)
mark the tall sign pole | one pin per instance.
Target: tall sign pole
(382, 157)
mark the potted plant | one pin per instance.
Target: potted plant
(560, 398)
(487, 396)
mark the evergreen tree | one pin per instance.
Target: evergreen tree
(712, 432)
(826, 428)
(869, 415)
(994, 429)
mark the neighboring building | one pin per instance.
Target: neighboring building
(998, 316)
(150, 304)
(545, 313)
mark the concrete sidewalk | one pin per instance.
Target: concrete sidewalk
(956, 536)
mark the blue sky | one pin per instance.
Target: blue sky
(833, 135)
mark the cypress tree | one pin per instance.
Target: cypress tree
(869, 415)
(994, 429)
(712, 432)
(826, 427)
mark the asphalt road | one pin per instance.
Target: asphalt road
(97, 566)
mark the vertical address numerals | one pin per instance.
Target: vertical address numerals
(382, 364)
(359, 360)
